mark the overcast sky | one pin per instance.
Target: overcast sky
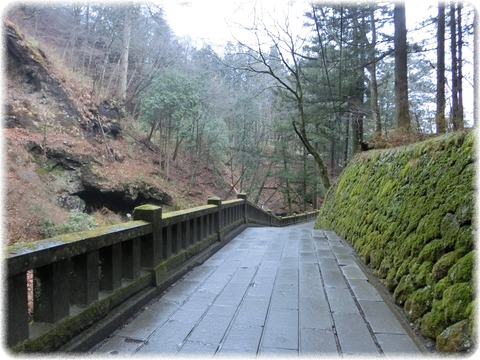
(213, 21)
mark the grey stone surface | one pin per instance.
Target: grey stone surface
(291, 291)
(381, 318)
(334, 279)
(281, 329)
(353, 271)
(353, 334)
(341, 301)
(242, 340)
(363, 290)
(317, 342)
(141, 327)
(397, 344)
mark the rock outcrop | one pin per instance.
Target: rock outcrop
(78, 188)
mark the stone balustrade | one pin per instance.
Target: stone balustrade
(59, 288)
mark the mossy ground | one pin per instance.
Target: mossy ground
(408, 212)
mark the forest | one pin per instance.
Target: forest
(282, 109)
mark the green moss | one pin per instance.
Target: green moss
(456, 338)
(433, 322)
(432, 251)
(404, 289)
(408, 212)
(391, 279)
(440, 287)
(48, 167)
(441, 267)
(470, 310)
(449, 229)
(463, 269)
(51, 340)
(429, 226)
(419, 303)
(464, 240)
(403, 269)
(423, 275)
(147, 207)
(456, 298)
(385, 265)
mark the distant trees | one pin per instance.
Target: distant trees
(283, 64)
(119, 47)
(171, 106)
(454, 20)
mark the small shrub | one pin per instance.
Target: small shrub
(77, 221)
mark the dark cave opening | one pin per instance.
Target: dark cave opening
(118, 202)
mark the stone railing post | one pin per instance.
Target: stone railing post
(51, 298)
(244, 197)
(17, 309)
(151, 246)
(218, 222)
(270, 215)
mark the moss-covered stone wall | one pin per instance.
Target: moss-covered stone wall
(408, 212)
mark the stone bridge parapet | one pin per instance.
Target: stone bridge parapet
(82, 285)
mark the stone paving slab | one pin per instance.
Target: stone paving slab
(294, 291)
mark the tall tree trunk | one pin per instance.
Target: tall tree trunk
(347, 137)
(377, 120)
(372, 69)
(453, 49)
(287, 182)
(357, 95)
(177, 147)
(402, 111)
(304, 179)
(357, 132)
(459, 66)
(332, 144)
(121, 91)
(152, 130)
(302, 134)
(440, 113)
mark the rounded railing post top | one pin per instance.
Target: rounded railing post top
(214, 200)
(147, 207)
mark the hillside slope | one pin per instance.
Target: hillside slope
(409, 213)
(67, 153)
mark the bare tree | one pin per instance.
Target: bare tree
(283, 64)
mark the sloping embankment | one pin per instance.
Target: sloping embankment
(409, 213)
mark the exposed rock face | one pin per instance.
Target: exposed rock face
(409, 214)
(63, 135)
(30, 66)
(80, 189)
(456, 338)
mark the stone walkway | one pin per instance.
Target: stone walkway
(270, 291)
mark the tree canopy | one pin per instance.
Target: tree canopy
(283, 110)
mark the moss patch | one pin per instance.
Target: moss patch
(408, 212)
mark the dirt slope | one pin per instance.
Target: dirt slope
(68, 152)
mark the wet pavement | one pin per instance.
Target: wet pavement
(270, 291)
